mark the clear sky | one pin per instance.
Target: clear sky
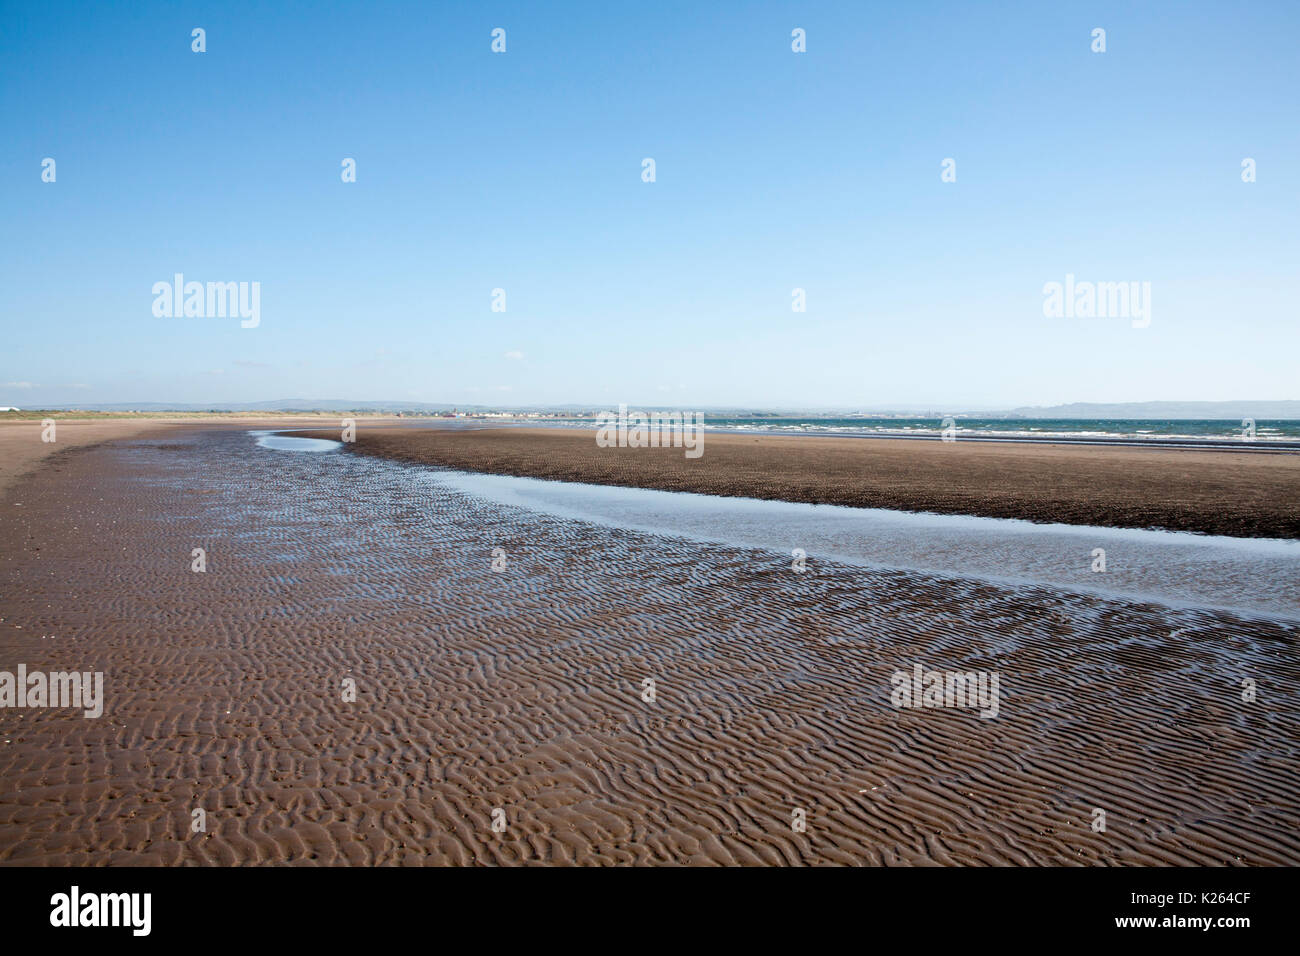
(774, 170)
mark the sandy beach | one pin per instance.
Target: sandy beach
(22, 450)
(1248, 493)
(500, 659)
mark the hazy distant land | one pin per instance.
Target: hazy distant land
(1235, 410)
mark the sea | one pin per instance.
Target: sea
(1102, 430)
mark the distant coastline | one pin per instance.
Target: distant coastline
(1235, 411)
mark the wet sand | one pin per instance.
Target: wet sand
(23, 451)
(521, 689)
(1247, 493)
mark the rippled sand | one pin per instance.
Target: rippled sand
(521, 689)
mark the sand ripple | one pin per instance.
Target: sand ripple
(521, 690)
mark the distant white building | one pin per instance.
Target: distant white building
(9, 408)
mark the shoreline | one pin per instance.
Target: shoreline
(1209, 491)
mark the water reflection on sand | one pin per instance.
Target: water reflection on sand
(1250, 575)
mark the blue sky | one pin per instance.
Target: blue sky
(774, 170)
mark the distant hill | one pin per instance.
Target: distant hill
(1157, 410)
